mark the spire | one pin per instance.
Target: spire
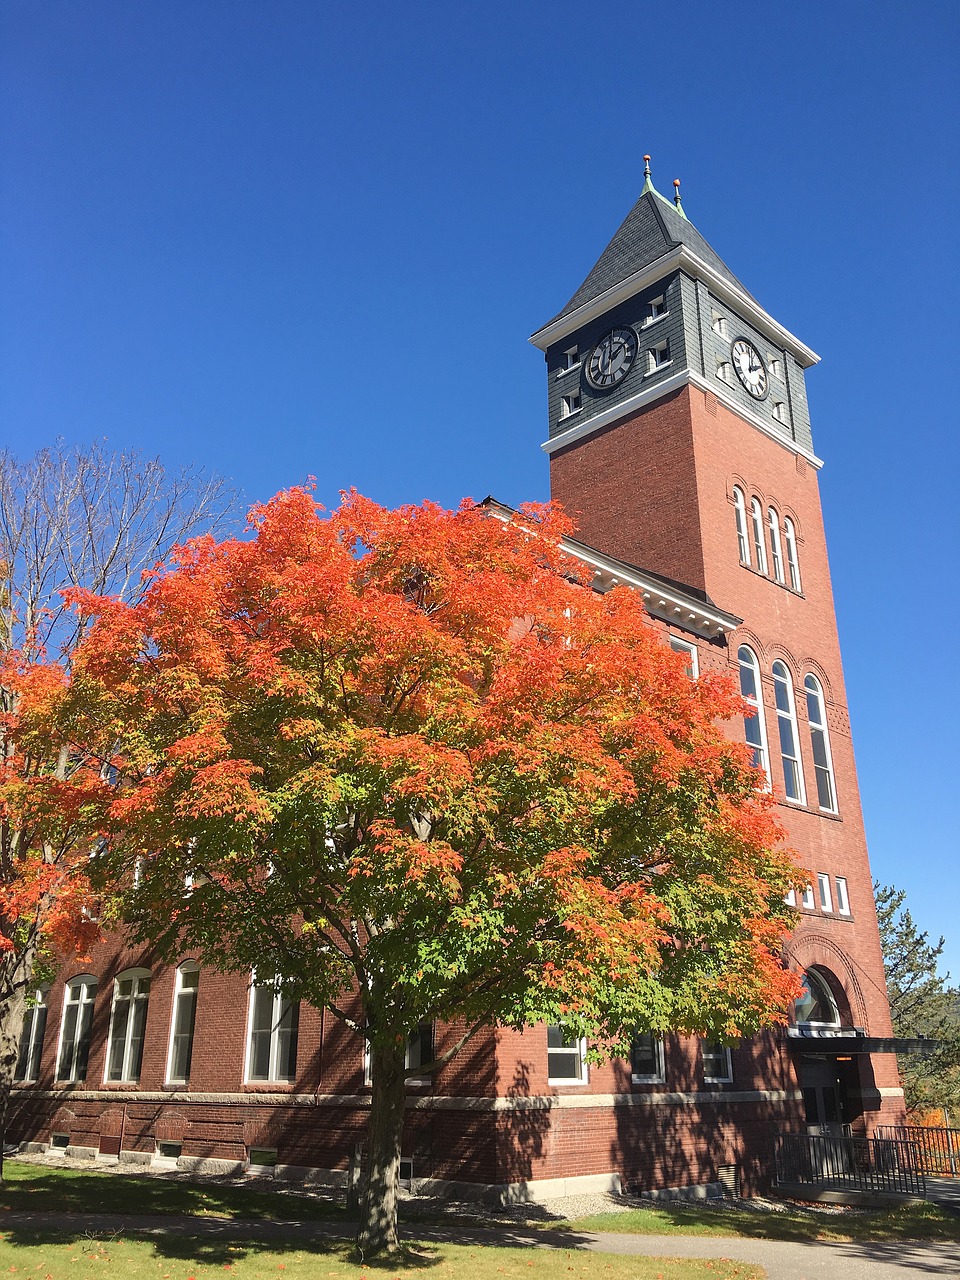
(676, 198)
(648, 187)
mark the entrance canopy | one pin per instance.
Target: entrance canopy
(842, 1042)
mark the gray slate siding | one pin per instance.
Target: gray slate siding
(672, 327)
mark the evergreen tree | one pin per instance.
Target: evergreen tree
(921, 1004)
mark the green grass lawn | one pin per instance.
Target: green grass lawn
(30, 1186)
(909, 1222)
(180, 1257)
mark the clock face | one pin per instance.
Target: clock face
(750, 368)
(612, 358)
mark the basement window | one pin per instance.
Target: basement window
(169, 1150)
(59, 1141)
(262, 1158)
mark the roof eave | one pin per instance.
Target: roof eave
(682, 258)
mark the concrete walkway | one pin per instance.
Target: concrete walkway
(813, 1260)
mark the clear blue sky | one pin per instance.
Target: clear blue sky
(289, 237)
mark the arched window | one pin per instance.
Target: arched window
(756, 519)
(754, 727)
(820, 740)
(776, 554)
(816, 1006)
(793, 563)
(740, 511)
(128, 1022)
(183, 1022)
(787, 726)
(31, 1036)
(272, 1036)
(78, 997)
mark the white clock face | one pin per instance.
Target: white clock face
(611, 359)
(750, 368)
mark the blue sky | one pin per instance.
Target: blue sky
(299, 238)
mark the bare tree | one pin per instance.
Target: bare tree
(70, 517)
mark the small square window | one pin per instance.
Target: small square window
(569, 405)
(725, 371)
(60, 1141)
(776, 368)
(658, 356)
(690, 653)
(823, 883)
(779, 410)
(169, 1150)
(263, 1157)
(717, 1063)
(571, 358)
(843, 898)
(566, 1058)
(806, 898)
(720, 326)
(656, 308)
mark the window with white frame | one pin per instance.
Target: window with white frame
(720, 326)
(656, 308)
(658, 355)
(566, 1058)
(740, 512)
(843, 897)
(823, 885)
(128, 1022)
(793, 563)
(776, 367)
(780, 411)
(756, 521)
(725, 371)
(418, 1053)
(787, 728)
(689, 652)
(817, 1006)
(820, 741)
(754, 726)
(806, 899)
(183, 1022)
(571, 358)
(272, 1037)
(717, 1063)
(75, 1028)
(776, 551)
(790, 897)
(31, 1036)
(646, 1060)
(570, 404)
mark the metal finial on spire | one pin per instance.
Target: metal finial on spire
(676, 198)
(648, 186)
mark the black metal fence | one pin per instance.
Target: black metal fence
(938, 1149)
(838, 1162)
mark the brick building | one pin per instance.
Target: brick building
(680, 440)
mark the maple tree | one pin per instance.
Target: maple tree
(419, 770)
(68, 517)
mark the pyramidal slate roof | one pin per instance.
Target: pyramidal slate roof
(652, 228)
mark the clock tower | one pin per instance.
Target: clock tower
(680, 442)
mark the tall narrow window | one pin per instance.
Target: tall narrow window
(823, 884)
(31, 1037)
(717, 1066)
(843, 897)
(787, 725)
(756, 520)
(776, 553)
(793, 564)
(182, 1025)
(646, 1060)
(566, 1058)
(78, 998)
(272, 1041)
(689, 652)
(754, 728)
(740, 509)
(820, 740)
(128, 1021)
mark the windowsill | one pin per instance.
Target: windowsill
(784, 586)
(652, 320)
(568, 1083)
(267, 1086)
(573, 368)
(574, 413)
(652, 373)
(648, 1080)
(715, 1083)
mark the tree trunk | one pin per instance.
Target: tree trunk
(11, 1020)
(378, 1205)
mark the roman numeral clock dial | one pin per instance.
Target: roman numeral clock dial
(612, 358)
(750, 368)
